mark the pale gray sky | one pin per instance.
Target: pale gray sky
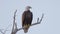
(50, 8)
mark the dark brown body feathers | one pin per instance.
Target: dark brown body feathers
(27, 17)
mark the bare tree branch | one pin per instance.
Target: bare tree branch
(38, 22)
(1, 31)
(15, 29)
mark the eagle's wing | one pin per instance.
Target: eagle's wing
(23, 17)
(26, 20)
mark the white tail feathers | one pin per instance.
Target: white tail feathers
(26, 27)
(25, 30)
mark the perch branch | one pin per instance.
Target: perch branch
(38, 22)
(15, 29)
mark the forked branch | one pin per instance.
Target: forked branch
(15, 29)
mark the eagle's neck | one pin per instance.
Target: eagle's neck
(27, 10)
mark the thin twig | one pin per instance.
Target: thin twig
(1, 31)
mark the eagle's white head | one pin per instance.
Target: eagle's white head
(28, 8)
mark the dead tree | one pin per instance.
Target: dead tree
(15, 29)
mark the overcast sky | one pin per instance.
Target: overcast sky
(50, 8)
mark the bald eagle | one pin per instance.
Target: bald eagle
(27, 17)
